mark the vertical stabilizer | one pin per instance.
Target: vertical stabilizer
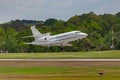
(35, 32)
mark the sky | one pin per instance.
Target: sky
(59, 9)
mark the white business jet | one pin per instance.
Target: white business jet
(55, 40)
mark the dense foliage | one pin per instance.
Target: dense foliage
(100, 28)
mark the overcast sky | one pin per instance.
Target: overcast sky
(59, 9)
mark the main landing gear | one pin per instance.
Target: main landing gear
(60, 48)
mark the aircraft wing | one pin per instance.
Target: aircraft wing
(30, 36)
(48, 43)
(44, 42)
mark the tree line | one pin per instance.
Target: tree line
(103, 32)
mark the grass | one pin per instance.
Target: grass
(60, 73)
(91, 54)
(34, 70)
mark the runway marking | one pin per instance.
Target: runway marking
(59, 59)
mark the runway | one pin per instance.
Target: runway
(95, 60)
(61, 62)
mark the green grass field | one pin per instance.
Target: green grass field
(60, 73)
(92, 54)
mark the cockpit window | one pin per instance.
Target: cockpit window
(77, 32)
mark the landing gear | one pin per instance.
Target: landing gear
(56, 48)
(50, 48)
(61, 48)
(78, 41)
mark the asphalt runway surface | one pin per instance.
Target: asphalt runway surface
(59, 59)
(61, 62)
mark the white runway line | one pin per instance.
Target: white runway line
(59, 59)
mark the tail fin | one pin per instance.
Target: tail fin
(35, 32)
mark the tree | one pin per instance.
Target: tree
(98, 27)
(2, 39)
(50, 21)
(11, 40)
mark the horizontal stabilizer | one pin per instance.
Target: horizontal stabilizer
(31, 36)
(28, 43)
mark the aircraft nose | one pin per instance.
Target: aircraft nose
(85, 34)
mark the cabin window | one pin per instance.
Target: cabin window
(45, 38)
